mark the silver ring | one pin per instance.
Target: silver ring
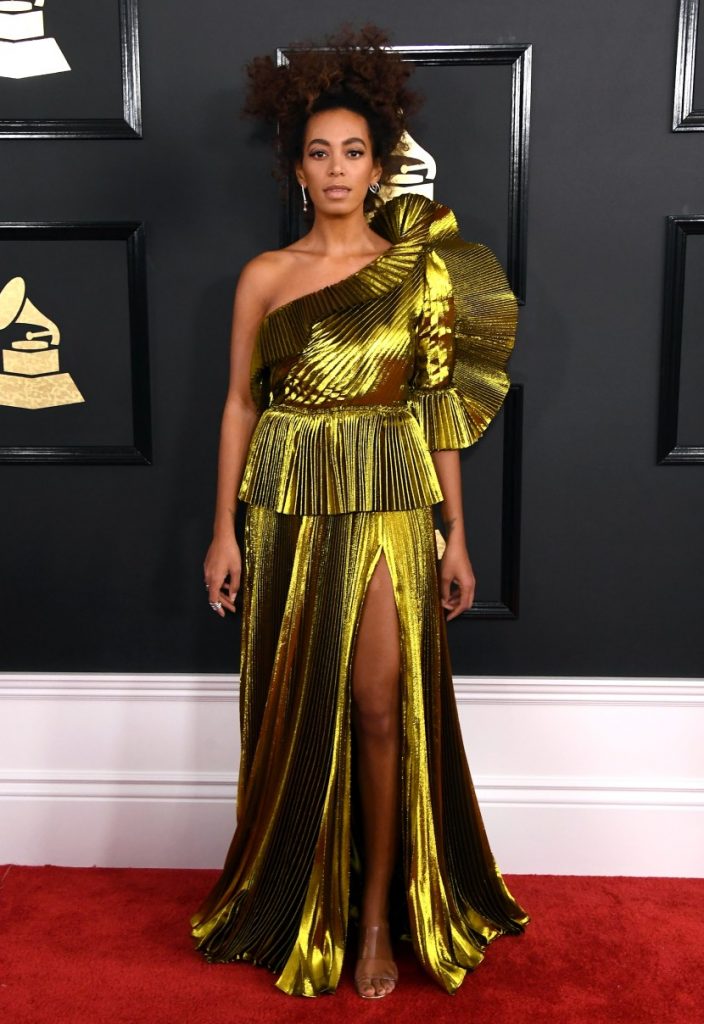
(215, 605)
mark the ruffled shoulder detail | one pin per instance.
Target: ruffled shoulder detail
(414, 219)
(466, 328)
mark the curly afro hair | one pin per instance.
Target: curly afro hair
(354, 70)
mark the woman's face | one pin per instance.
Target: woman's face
(338, 165)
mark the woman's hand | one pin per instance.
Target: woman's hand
(223, 560)
(455, 566)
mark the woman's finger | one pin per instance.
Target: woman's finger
(450, 602)
(221, 576)
(446, 597)
(213, 588)
(461, 599)
(468, 594)
(221, 597)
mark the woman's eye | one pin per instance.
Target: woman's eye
(354, 152)
(317, 153)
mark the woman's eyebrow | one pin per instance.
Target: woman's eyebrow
(346, 142)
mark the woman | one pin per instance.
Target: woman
(363, 357)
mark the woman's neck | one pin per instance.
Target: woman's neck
(337, 237)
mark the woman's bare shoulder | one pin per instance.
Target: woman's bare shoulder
(271, 263)
(265, 272)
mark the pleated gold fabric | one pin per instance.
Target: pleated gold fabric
(357, 384)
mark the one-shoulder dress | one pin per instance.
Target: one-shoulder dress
(357, 383)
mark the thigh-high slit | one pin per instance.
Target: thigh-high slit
(376, 670)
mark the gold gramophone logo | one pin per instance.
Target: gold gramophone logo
(411, 169)
(30, 377)
(25, 52)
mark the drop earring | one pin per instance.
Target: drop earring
(305, 198)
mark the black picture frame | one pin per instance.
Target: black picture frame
(129, 126)
(669, 450)
(507, 605)
(684, 116)
(519, 57)
(139, 451)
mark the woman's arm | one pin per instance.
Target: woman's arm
(454, 564)
(239, 419)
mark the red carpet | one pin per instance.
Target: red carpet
(111, 945)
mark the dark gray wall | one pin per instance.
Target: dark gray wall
(101, 566)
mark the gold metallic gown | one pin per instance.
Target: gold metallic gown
(357, 383)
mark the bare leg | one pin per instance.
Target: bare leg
(376, 716)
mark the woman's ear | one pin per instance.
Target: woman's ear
(298, 168)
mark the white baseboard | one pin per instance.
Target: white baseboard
(574, 776)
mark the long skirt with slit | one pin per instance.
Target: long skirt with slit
(292, 876)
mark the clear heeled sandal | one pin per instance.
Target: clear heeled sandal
(371, 968)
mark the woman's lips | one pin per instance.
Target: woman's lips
(336, 191)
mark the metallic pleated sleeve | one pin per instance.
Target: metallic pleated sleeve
(465, 336)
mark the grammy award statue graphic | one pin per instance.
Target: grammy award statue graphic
(25, 52)
(411, 169)
(30, 377)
